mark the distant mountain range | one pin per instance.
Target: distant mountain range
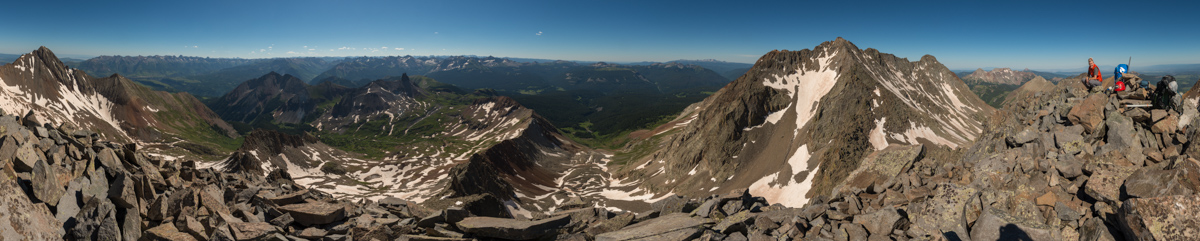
(730, 70)
(201, 76)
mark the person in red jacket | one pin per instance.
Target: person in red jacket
(1093, 78)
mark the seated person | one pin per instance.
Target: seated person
(1093, 78)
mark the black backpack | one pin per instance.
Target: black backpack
(1163, 95)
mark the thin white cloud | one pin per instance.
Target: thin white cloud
(330, 49)
(306, 46)
(539, 33)
(194, 46)
(399, 48)
(384, 47)
(291, 52)
(262, 50)
(435, 32)
(311, 49)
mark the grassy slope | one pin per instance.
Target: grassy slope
(992, 94)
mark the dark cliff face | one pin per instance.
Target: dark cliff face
(272, 94)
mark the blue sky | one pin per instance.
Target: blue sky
(961, 34)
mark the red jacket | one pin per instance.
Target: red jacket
(1094, 72)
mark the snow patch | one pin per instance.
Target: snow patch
(646, 196)
(910, 136)
(878, 136)
(807, 88)
(790, 194)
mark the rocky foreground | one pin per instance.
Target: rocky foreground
(1057, 163)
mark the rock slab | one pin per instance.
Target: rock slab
(504, 228)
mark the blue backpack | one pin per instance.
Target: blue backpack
(1121, 70)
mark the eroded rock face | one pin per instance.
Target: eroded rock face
(22, 219)
(1154, 181)
(1161, 218)
(1105, 184)
(882, 168)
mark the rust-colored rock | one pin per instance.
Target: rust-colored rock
(1090, 112)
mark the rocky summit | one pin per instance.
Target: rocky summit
(1056, 162)
(799, 121)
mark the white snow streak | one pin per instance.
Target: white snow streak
(790, 194)
(878, 136)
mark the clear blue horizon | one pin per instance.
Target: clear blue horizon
(961, 34)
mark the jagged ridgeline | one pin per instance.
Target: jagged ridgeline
(832, 143)
(798, 122)
(114, 107)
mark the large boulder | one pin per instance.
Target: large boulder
(1122, 137)
(315, 213)
(945, 212)
(734, 223)
(503, 228)
(98, 187)
(1089, 113)
(93, 220)
(1094, 230)
(1161, 218)
(26, 158)
(68, 204)
(1068, 141)
(122, 191)
(995, 224)
(23, 220)
(251, 230)
(131, 224)
(8, 147)
(1166, 125)
(880, 222)
(1068, 166)
(167, 231)
(45, 183)
(1105, 183)
(676, 226)
(879, 169)
(1029, 134)
(1153, 181)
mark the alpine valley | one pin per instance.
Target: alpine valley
(835, 142)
